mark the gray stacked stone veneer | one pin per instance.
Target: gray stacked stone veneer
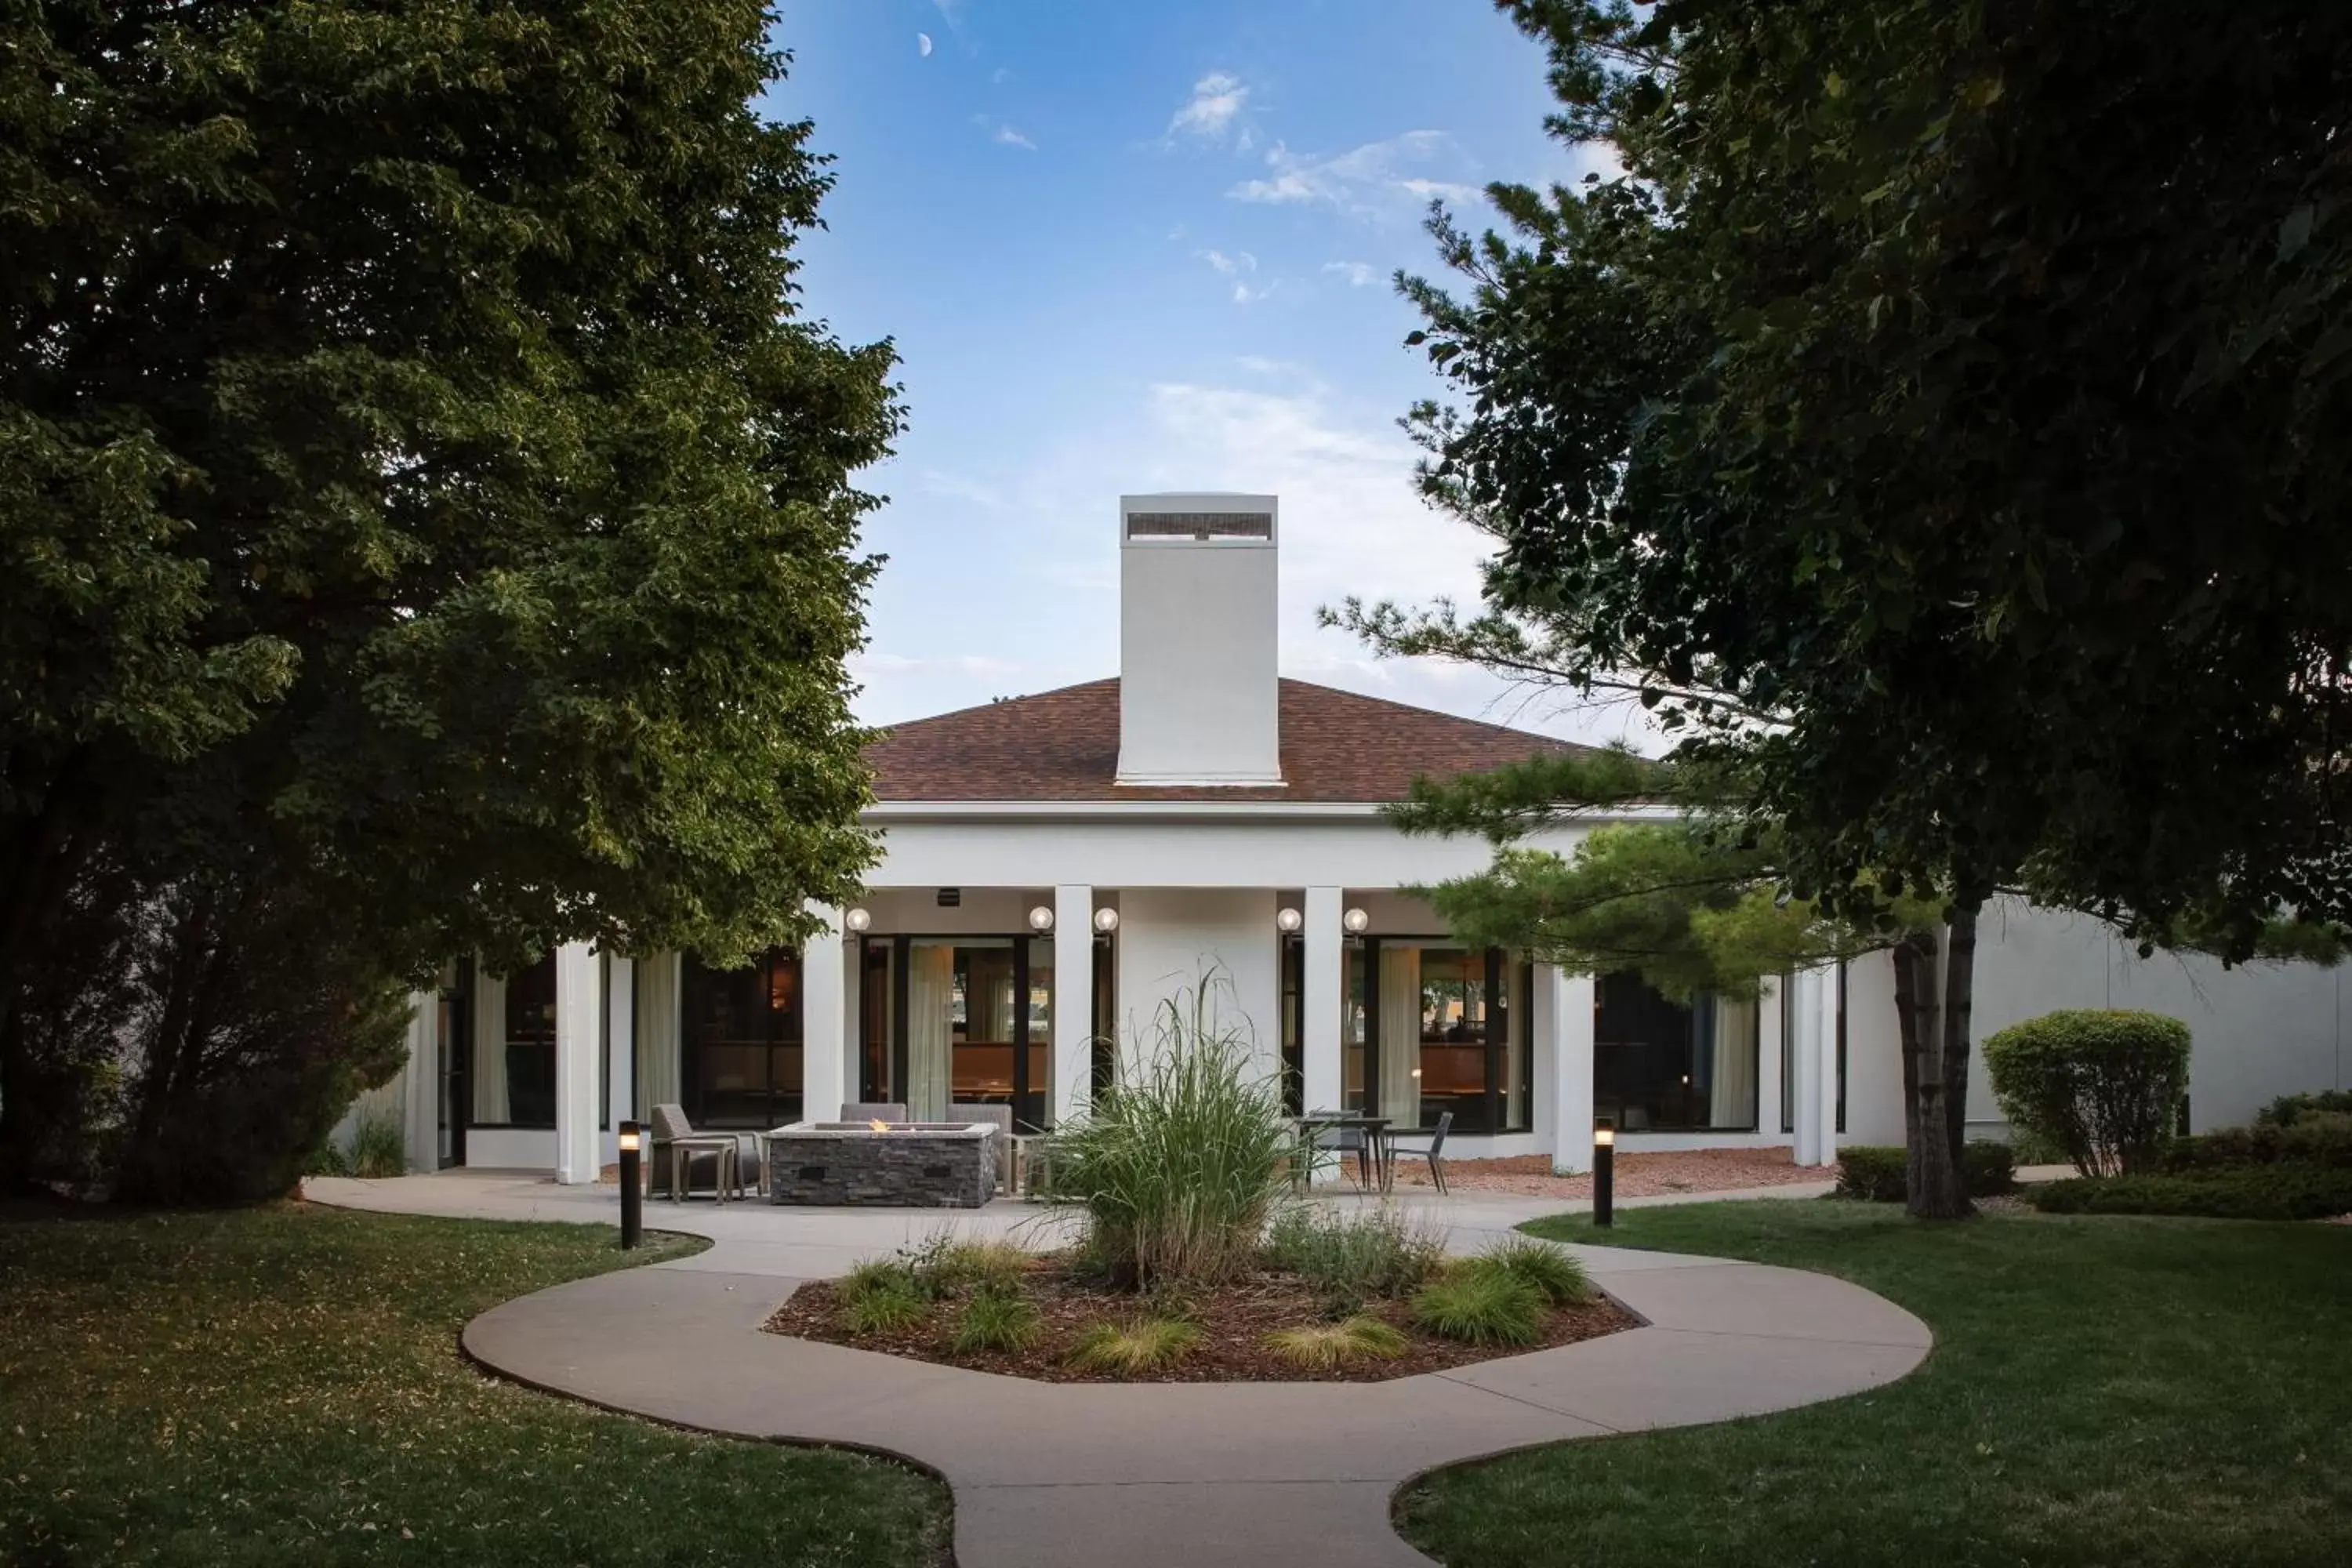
(916, 1165)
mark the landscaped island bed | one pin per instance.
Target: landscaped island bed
(1233, 1321)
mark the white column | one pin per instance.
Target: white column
(1825, 1074)
(824, 1020)
(1572, 1079)
(420, 1089)
(1322, 1000)
(1073, 1045)
(1804, 1065)
(579, 1041)
(620, 1040)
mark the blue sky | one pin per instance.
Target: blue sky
(1127, 247)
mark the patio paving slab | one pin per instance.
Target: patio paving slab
(1141, 1475)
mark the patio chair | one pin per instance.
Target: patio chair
(1435, 1151)
(671, 1126)
(1343, 1142)
(874, 1110)
(1001, 1117)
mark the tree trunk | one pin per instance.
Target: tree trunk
(1931, 1157)
(44, 851)
(1959, 1004)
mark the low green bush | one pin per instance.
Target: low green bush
(2316, 1137)
(1481, 1306)
(2252, 1192)
(1349, 1259)
(1876, 1173)
(996, 1319)
(2102, 1085)
(1557, 1275)
(2289, 1109)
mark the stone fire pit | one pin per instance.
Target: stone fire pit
(894, 1164)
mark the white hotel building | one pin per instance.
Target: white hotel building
(1055, 866)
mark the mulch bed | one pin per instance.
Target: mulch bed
(1233, 1321)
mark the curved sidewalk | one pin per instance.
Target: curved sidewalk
(1141, 1475)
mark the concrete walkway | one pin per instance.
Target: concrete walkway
(1196, 1475)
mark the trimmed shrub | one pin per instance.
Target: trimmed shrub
(1872, 1172)
(2104, 1085)
(1151, 1344)
(1349, 1259)
(2253, 1191)
(2289, 1109)
(1176, 1169)
(1481, 1306)
(2316, 1137)
(1876, 1173)
(1319, 1347)
(995, 1321)
(1558, 1277)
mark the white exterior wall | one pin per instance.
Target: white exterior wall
(1172, 941)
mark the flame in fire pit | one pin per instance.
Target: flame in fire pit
(879, 1125)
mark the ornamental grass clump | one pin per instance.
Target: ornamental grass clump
(1177, 1167)
(1149, 1345)
(1480, 1306)
(1556, 1275)
(883, 1311)
(996, 1319)
(2104, 1085)
(1348, 1259)
(1322, 1347)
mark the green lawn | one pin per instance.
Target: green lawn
(2102, 1391)
(283, 1386)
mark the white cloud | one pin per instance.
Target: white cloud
(923, 45)
(1002, 133)
(1370, 180)
(1230, 266)
(1359, 274)
(950, 11)
(1246, 295)
(1001, 75)
(1213, 110)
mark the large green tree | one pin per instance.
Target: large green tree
(1964, 385)
(1942, 418)
(417, 467)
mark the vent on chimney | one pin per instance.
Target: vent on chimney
(1200, 525)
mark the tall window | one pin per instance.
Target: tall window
(741, 1044)
(1661, 1067)
(526, 1048)
(1431, 1029)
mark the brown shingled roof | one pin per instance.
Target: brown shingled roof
(1064, 746)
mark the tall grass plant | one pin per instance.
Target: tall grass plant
(1177, 1166)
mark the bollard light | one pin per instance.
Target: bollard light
(1604, 1175)
(1287, 921)
(1106, 919)
(1357, 922)
(857, 920)
(633, 1194)
(1040, 919)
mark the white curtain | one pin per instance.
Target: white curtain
(491, 1106)
(930, 1003)
(1731, 1100)
(1401, 1035)
(658, 1045)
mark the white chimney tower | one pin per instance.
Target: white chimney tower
(1198, 688)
